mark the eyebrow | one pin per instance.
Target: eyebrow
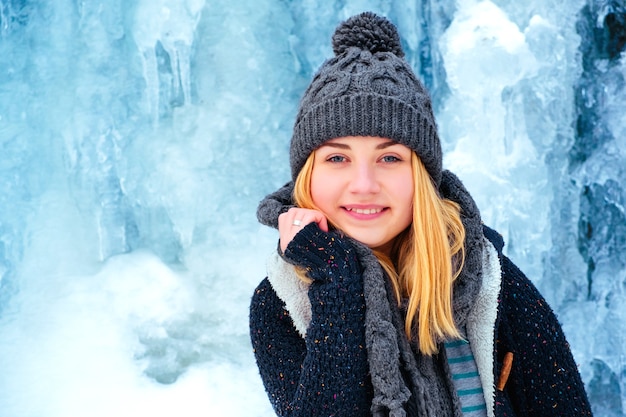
(345, 146)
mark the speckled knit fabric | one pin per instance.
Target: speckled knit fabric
(544, 381)
(326, 374)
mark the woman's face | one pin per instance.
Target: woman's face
(365, 187)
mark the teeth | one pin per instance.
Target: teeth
(366, 211)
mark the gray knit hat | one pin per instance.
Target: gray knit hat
(366, 89)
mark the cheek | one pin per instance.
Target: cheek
(321, 189)
(404, 192)
(403, 189)
(408, 196)
(408, 213)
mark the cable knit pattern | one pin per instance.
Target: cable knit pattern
(366, 89)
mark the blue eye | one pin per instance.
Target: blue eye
(390, 158)
(336, 158)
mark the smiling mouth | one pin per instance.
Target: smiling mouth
(364, 211)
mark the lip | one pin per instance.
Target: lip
(364, 212)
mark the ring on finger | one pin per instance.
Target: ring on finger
(297, 222)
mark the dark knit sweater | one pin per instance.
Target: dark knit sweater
(326, 373)
(544, 380)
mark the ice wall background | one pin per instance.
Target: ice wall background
(138, 136)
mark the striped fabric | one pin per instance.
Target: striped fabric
(466, 379)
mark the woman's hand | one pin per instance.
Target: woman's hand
(292, 221)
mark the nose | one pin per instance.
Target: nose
(364, 179)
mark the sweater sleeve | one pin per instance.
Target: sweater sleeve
(325, 374)
(544, 379)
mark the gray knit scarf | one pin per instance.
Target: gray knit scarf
(406, 383)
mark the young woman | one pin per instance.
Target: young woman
(387, 296)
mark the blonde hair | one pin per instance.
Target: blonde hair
(425, 259)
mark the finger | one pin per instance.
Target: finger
(293, 220)
(286, 227)
(303, 217)
(322, 222)
(294, 217)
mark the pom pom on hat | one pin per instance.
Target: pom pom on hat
(369, 32)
